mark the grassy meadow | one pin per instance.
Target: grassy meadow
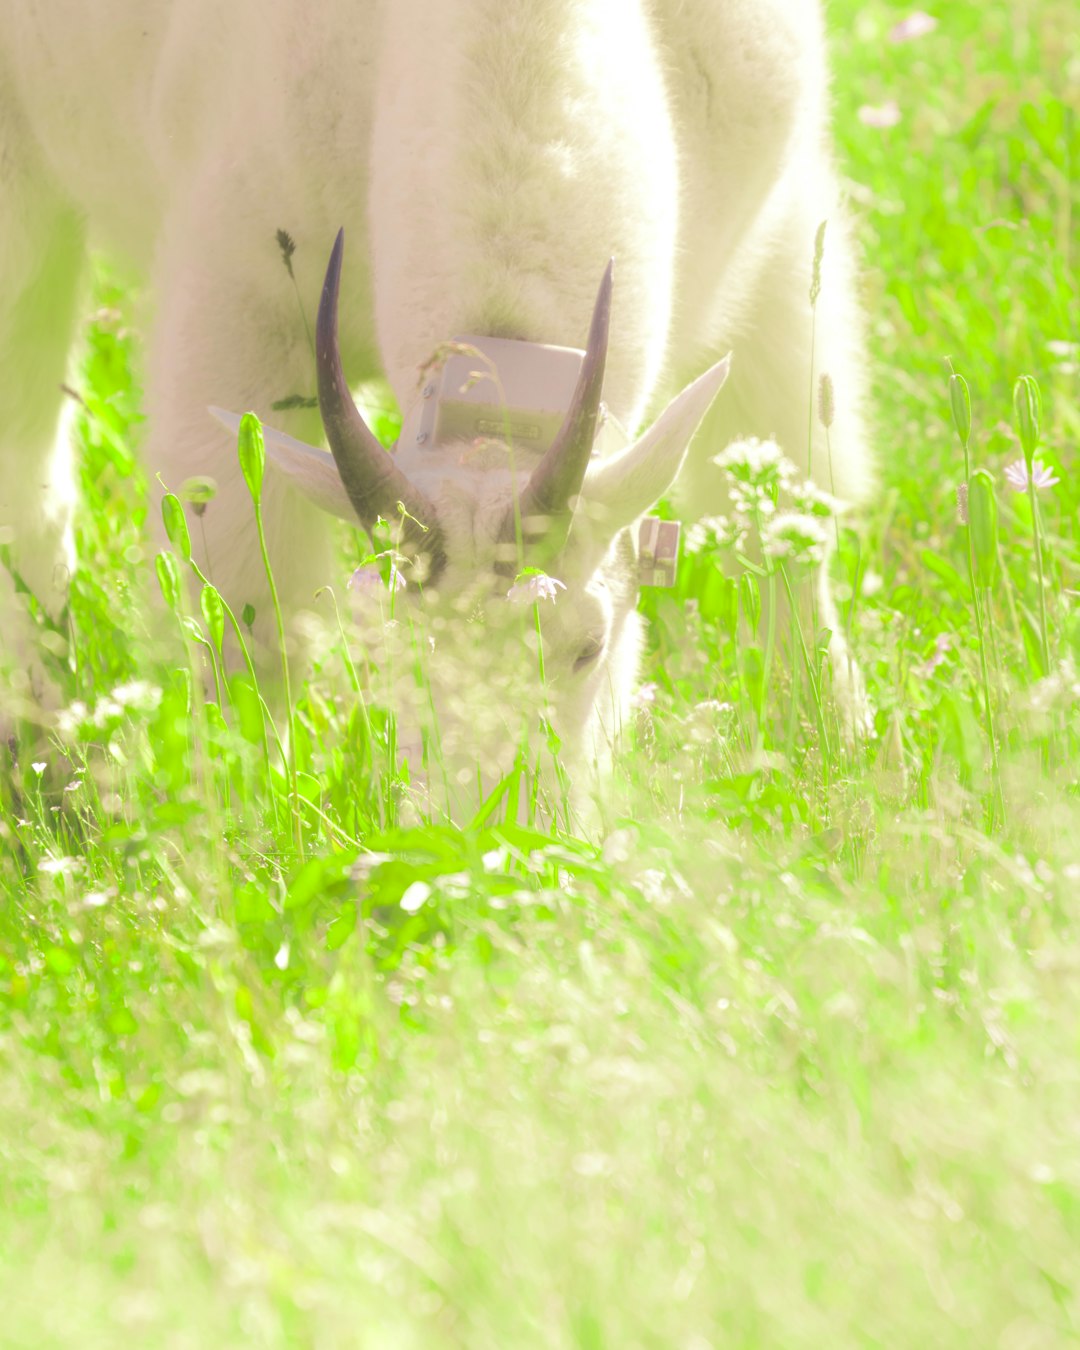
(782, 1049)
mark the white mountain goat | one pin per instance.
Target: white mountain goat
(487, 158)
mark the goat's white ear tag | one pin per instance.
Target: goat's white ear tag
(310, 469)
(658, 551)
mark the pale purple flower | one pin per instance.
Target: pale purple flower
(942, 643)
(1016, 475)
(962, 502)
(916, 25)
(645, 695)
(883, 116)
(536, 586)
(367, 579)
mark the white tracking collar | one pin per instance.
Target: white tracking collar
(502, 389)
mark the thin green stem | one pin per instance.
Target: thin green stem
(985, 675)
(1036, 529)
(249, 666)
(294, 785)
(811, 674)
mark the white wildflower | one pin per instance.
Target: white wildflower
(59, 866)
(70, 720)
(1016, 475)
(1066, 355)
(814, 500)
(106, 711)
(916, 25)
(1061, 688)
(722, 532)
(756, 463)
(710, 718)
(883, 116)
(750, 500)
(139, 695)
(794, 534)
(645, 695)
(714, 707)
(415, 897)
(136, 696)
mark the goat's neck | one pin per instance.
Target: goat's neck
(516, 148)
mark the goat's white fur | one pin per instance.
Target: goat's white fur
(487, 157)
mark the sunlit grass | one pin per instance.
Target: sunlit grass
(777, 1048)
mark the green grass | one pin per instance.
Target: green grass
(784, 1052)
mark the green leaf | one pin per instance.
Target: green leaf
(246, 706)
(960, 402)
(172, 513)
(168, 575)
(941, 567)
(983, 524)
(321, 877)
(752, 661)
(213, 613)
(341, 928)
(252, 454)
(123, 1023)
(59, 960)
(750, 597)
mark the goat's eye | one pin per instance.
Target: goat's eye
(588, 653)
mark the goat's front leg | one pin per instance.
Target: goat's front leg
(41, 266)
(230, 332)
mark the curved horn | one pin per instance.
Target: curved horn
(559, 475)
(371, 478)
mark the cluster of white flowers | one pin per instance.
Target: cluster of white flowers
(715, 532)
(768, 495)
(1058, 690)
(815, 501)
(138, 697)
(756, 462)
(795, 535)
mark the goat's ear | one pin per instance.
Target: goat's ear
(307, 467)
(624, 486)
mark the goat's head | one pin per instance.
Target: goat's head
(474, 530)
